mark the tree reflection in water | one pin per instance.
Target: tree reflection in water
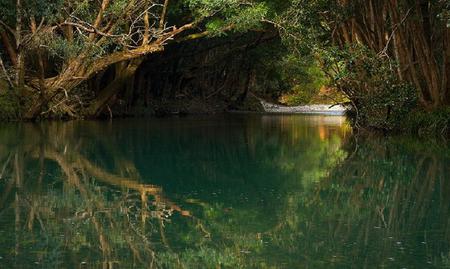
(68, 210)
(246, 192)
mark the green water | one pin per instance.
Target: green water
(236, 191)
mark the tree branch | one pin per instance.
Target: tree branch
(90, 29)
(163, 15)
(99, 18)
(7, 27)
(5, 72)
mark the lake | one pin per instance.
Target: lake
(225, 191)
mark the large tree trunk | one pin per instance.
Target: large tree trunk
(124, 71)
(409, 33)
(425, 56)
(9, 47)
(402, 52)
(83, 67)
(78, 71)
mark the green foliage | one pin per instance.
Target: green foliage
(298, 96)
(60, 48)
(84, 9)
(427, 123)
(280, 73)
(367, 74)
(246, 18)
(48, 9)
(379, 99)
(301, 25)
(116, 8)
(304, 76)
(386, 107)
(10, 108)
(204, 8)
(236, 14)
(215, 26)
(8, 9)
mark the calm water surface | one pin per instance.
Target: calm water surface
(236, 191)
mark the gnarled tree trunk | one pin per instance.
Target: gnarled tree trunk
(124, 71)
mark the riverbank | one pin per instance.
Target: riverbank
(324, 109)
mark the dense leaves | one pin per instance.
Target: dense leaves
(388, 57)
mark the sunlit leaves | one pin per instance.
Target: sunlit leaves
(235, 14)
(117, 7)
(248, 17)
(205, 8)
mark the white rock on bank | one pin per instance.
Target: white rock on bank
(306, 109)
